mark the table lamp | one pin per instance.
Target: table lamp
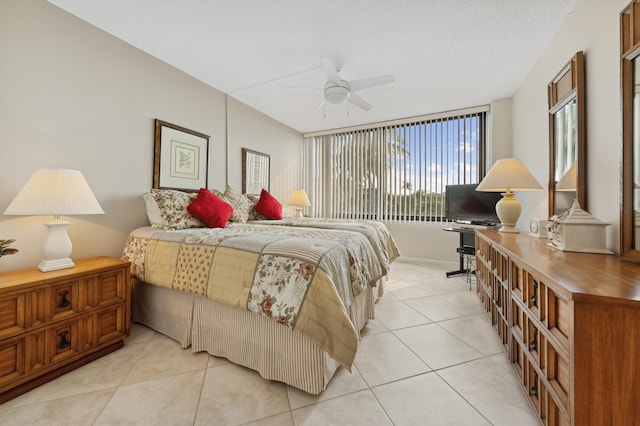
(299, 198)
(55, 192)
(508, 175)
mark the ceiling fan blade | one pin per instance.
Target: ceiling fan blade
(365, 83)
(331, 69)
(359, 102)
(303, 87)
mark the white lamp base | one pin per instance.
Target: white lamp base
(508, 210)
(298, 212)
(57, 247)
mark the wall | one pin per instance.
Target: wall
(593, 27)
(72, 96)
(251, 129)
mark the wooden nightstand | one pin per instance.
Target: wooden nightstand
(54, 322)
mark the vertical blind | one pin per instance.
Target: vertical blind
(396, 172)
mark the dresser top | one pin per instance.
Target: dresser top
(31, 276)
(583, 275)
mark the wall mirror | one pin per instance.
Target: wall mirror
(630, 65)
(567, 138)
(255, 171)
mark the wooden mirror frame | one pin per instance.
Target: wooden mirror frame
(629, 51)
(265, 171)
(566, 86)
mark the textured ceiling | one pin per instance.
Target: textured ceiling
(444, 54)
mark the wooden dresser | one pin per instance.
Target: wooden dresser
(53, 322)
(570, 323)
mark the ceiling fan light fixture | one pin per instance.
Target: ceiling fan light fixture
(336, 94)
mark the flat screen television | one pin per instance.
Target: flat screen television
(464, 203)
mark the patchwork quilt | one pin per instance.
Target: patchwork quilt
(303, 278)
(376, 232)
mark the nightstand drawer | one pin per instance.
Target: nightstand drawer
(110, 324)
(12, 366)
(12, 315)
(112, 287)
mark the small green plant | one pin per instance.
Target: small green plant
(5, 249)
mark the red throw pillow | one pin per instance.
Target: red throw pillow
(210, 210)
(268, 206)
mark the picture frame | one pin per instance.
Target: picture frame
(180, 158)
(256, 171)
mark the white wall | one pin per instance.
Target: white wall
(72, 96)
(593, 27)
(251, 129)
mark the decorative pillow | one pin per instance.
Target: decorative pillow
(253, 200)
(231, 193)
(241, 205)
(210, 210)
(268, 206)
(153, 212)
(172, 206)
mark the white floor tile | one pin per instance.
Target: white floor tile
(167, 401)
(355, 409)
(485, 384)
(475, 330)
(394, 315)
(426, 400)
(436, 346)
(382, 358)
(72, 410)
(234, 395)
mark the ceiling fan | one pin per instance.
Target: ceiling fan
(338, 91)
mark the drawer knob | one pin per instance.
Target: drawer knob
(534, 296)
(534, 342)
(534, 389)
(64, 343)
(63, 299)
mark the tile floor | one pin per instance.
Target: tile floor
(430, 358)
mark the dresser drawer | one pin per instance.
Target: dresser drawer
(12, 357)
(558, 372)
(559, 318)
(12, 315)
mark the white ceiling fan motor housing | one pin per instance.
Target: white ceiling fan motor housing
(336, 94)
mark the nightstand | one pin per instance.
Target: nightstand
(54, 322)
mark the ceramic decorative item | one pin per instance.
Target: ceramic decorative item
(577, 230)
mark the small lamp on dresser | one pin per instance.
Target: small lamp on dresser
(508, 175)
(55, 192)
(299, 199)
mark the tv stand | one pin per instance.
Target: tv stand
(466, 246)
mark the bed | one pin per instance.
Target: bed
(284, 299)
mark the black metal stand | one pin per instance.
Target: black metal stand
(466, 246)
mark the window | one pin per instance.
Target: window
(396, 172)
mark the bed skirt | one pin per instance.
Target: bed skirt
(244, 338)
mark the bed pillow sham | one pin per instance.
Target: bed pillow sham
(171, 210)
(241, 204)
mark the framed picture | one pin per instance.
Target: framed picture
(180, 158)
(255, 171)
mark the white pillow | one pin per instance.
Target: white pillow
(153, 211)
